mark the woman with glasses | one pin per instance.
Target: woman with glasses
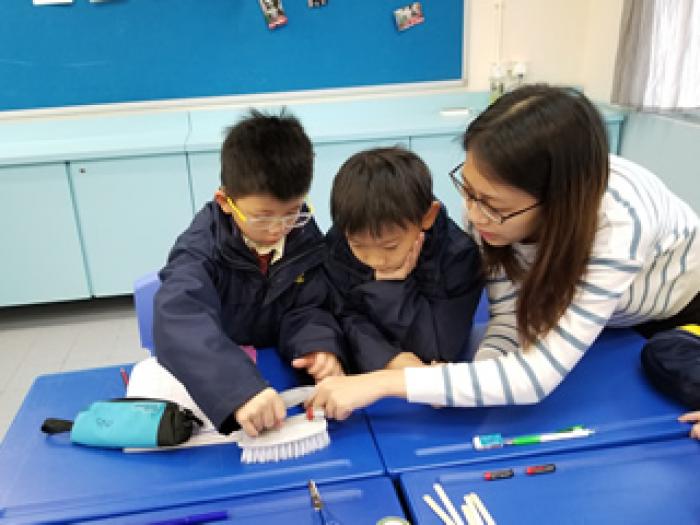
(573, 239)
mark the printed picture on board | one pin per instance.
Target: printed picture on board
(274, 13)
(409, 15)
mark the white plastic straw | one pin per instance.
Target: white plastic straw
(471, 514)
(474, 498)
(448, 504)
(437, 510)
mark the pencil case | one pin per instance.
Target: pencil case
(128, 422)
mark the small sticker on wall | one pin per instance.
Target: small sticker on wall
(317, 3)
(274, 13)
(408, 16)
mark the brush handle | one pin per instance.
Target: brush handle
(297, 395)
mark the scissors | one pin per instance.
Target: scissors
(324, 515)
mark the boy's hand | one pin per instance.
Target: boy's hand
(319, 365)
(404, 360)
(400, 273)
(692, 417)
(265, 410)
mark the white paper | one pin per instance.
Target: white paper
(149, 379)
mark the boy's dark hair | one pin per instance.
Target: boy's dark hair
(267, 154)
(380, 187)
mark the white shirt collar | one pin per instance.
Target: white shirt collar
(262, 249)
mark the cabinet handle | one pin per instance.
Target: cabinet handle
(81, 170)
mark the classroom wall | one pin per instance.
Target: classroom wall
(600, 47)
(562, 42)
(668, 147)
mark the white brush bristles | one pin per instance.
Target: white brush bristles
(297, 437)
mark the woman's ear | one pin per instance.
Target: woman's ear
(430, 216)
(220, 198)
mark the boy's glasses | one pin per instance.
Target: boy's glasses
(486, 210)
(296, 220)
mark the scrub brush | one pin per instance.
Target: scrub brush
(299, 435)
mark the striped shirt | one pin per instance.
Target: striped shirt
(644, 265)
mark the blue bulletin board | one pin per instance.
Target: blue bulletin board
(148, 50)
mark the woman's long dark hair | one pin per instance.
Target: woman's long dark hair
(551, 143)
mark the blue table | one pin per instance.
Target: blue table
(606, 391)
(49, 478)
(641, 484)
(358, 502)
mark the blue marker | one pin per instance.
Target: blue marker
(194, 519)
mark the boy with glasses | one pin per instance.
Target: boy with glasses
(248, 271)
(409, 277)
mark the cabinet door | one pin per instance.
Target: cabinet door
(442, 153)
(41, 256)
(130, 212)
(205, 173)
(329, 158)
(613, 129)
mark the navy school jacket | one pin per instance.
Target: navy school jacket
(214, 298)
(429, 313)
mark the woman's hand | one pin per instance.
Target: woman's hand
(692, 417)
(340, 396)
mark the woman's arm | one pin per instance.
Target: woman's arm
(505, 373)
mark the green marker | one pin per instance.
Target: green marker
(574, 432)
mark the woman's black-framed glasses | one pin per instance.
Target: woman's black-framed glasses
(486, 210)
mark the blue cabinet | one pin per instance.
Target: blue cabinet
(205, 176)
(131, 210)
(41, 255)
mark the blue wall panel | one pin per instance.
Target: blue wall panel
(137, 50)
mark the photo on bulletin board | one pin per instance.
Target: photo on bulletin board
(273, 12)
(409, 16)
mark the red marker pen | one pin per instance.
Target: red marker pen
(498, 474)
(540, 469)
(313, 413)
(125, 376)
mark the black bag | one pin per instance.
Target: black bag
(129, 422)
(671, 361)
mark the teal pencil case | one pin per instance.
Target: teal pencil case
(128, 422)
